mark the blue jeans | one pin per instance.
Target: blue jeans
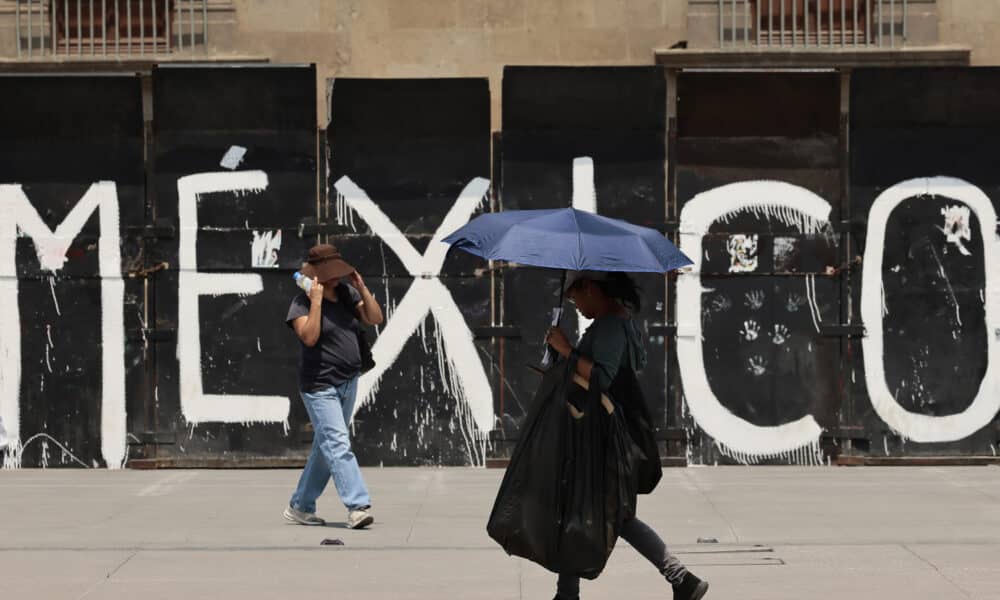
(330, 411)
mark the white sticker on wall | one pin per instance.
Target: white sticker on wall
(233, 157)
(264, 249)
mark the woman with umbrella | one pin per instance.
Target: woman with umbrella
(610, 345)
(600, 251)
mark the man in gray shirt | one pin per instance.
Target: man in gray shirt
(327, 322)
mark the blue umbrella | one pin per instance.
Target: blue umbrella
(567, 238)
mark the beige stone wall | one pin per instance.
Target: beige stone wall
(450, 38)
(476, 38)
(974, 23)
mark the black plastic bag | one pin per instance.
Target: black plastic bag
(639, 421)
(571, 482)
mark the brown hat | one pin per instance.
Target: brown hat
(324, 263)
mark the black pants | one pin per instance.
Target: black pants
(648, 543)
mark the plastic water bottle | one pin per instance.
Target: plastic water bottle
(303, 282)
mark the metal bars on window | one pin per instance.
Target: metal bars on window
(116, 29)
(812, 23)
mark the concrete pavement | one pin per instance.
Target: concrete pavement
(783, 533)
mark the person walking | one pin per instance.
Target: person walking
(328, 321)
(610, 347)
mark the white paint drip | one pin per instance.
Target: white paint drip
(748, 443)
(585, 199)
(810, 281)
(345, 216)
(947, 284)
(809, 455)
(55, 300)
(916, 426)
(460, 368)
(16, 451)
(264, 249)
(196, 405)
(51, 247)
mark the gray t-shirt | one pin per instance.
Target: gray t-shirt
(336, 358)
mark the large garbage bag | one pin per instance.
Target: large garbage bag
(639, 422)
(571, 481)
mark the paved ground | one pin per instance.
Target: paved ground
(783, 533)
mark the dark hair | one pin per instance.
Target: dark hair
(623, 288)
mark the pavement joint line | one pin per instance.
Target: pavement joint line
(317, 547)
(165, 485)
(123, 563)
(704, 494)
(958, 484)
(520, 580)
(420, 507)
(107, 576)
(937, 570)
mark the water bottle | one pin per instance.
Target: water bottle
(303, 282)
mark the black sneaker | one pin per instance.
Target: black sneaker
(690, 588)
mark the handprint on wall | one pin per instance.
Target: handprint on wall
(750, 331)
(754, 300)
(757, 365)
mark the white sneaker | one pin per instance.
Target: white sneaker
(361, 518)
(302, 518)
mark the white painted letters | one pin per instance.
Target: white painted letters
(465, 378)
(915, 426)
(737, 437)
(196, 405)
(51, 247)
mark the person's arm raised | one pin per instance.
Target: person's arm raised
(368, 308)
(309, 327)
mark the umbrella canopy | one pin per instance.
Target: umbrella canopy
(570, 239)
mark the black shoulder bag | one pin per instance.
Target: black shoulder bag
(364, 348)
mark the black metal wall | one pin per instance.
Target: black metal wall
(785, 185)
(766, 354)
(55, 152)
(413, 147)
(245, 348)
(602, 130)
(932, 128)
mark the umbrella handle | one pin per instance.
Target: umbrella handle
(562, 292)
(549, 352)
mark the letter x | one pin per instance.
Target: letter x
(467, 380)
